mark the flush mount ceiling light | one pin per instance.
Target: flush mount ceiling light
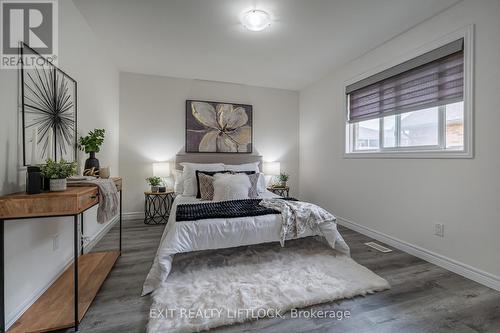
(256, 20)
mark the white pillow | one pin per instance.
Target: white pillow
(231, 187)
(243, 167)
(178, 182)
(261, 184)
(189, 175)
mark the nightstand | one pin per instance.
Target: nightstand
(157, 207)
(281, 191)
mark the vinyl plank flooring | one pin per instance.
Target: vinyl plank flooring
(423, 297)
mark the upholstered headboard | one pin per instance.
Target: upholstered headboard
(217, 158)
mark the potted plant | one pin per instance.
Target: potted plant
(283, 178)
(154, 182)
(57, 172)
(91, 144)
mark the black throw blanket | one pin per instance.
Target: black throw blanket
(222, 210)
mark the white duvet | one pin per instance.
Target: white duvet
(187, 236)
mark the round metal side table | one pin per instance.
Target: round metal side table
(281, 191)
(157, 207)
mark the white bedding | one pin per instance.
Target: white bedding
(187, 236)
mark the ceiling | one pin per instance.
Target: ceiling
(203, 39)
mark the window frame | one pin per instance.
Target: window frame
(433, 151)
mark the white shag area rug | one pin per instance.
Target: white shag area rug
(215, 288)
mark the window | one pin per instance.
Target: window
(367, 135)
(414, 109)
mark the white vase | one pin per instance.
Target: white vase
(58, 185)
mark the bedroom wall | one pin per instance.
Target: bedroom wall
(403, 198)
(28, 243)
(152, 113)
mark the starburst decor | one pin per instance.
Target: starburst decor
(49, 112)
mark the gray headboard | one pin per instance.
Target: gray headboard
(217, 158)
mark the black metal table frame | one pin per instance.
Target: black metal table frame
(75, 260)
(281, 191)
(161, 202)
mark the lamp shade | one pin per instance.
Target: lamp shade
(271, 168)
(161, 169)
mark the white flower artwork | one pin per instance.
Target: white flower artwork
(213, 127)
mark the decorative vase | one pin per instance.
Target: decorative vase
(154, 189)
(58, 185)
(34, 180)
(91, 166)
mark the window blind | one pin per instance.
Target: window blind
(432, 79)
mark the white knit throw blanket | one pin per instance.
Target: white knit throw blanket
(297, 216)
(109, 201)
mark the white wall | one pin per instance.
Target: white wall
(28, 243)
(404, 198)
(152, 121)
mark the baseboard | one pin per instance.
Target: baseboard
(21, 309)
(133, 216)
(97, 237)
(454, 266)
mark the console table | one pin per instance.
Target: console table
(60, 306)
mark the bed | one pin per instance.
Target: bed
(217, 233)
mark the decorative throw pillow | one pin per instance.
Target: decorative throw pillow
(205, 186)
(262, 183)
(178, 182)
(230, 187)
(243, 167)
(208, 173)
(189, 175)
(244, 172)
(253, 191)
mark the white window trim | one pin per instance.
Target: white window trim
(467, 33)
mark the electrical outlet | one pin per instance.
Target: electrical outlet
(55, 242)
(439, 229)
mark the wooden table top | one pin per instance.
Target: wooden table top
(74, 200)
(71, 191)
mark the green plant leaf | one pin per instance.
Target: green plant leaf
(92, 142)
(154, 181)
(58, 170)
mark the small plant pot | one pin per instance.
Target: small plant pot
(283, 184)
(154, 189)
(58, 185)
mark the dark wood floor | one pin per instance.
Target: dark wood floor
(423, 298)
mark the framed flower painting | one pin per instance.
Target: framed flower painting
(216, 127)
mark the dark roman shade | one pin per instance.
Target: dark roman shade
(432, 79)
